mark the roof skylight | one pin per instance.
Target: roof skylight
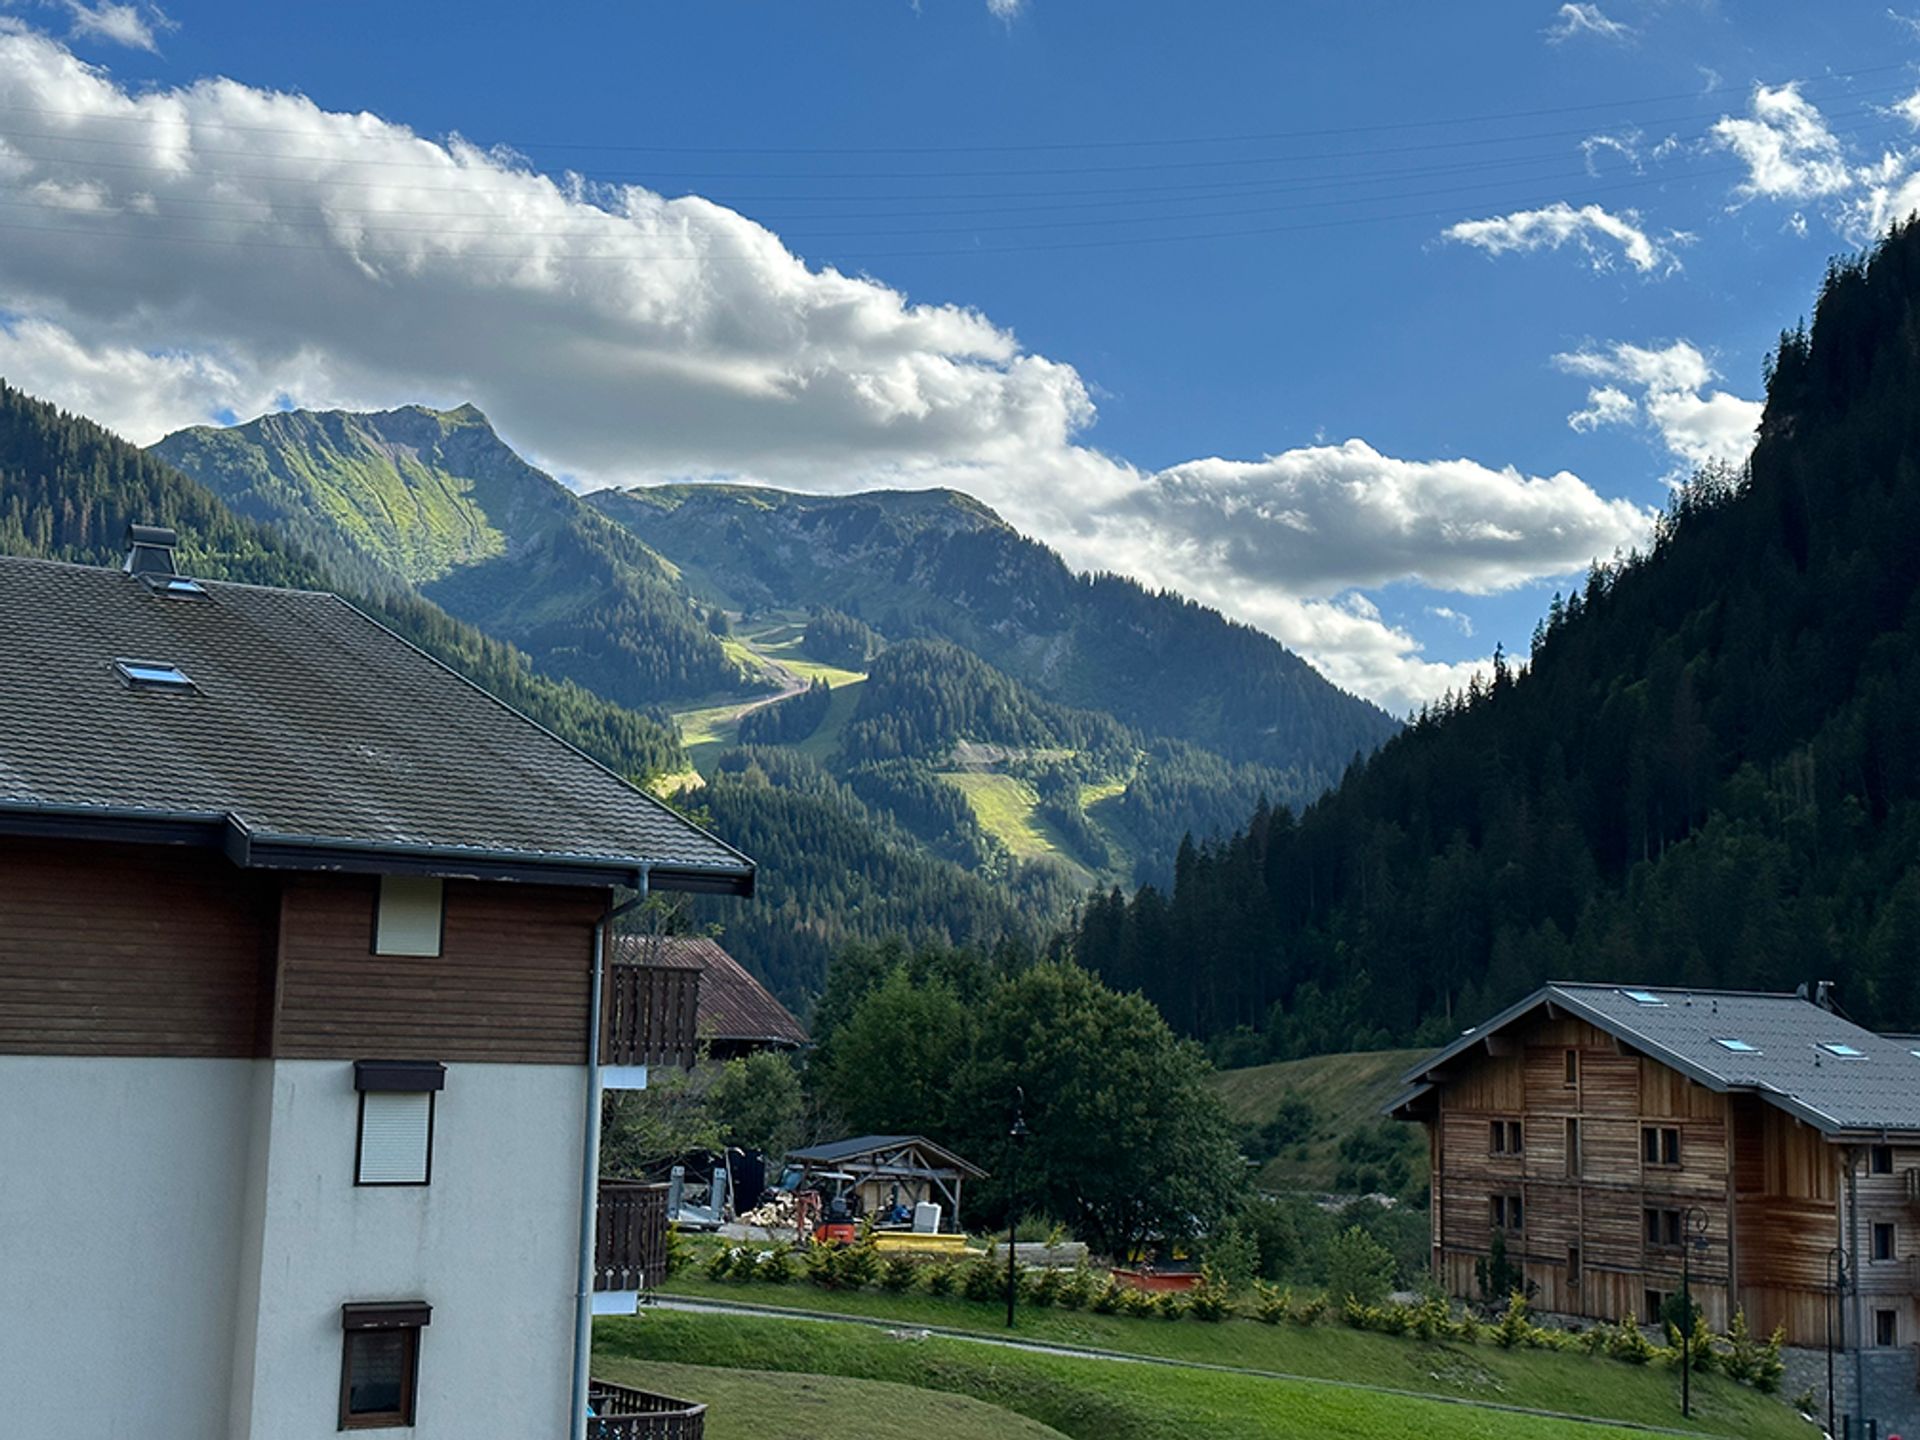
(177, 587)
(153, 675)
(1643, 997)
(1739, 1047)
(1842, 1049)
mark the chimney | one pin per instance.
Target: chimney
(150, 550)
(1823, 995)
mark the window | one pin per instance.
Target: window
(1504, 1137)
(1506, 1213)
(1739, 1047)
(1886, 1327)
(395, 1146)
(1654, 1302)
(408, 918)
(1573, 1146)
(1882, 1240)
(1573, 1264)
(1844, 1051)
(1573, 1069)
(1880, 1160)
(380, 1362)
(1660, 1144)
(1643, 997)
(1665, 1229)
(152, 675)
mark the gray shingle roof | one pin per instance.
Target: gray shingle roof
(312, 736)
(1788, 1065)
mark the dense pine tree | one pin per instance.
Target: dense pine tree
(1706, 773)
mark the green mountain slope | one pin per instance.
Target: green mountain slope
(69, 488)
(1708, 773)
(938, 563)
(436, 501)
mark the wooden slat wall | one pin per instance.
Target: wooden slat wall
(1601, 1208)
(511, 982)
(131, 950)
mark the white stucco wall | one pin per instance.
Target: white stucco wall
(121, 1197)
(490, 1244)
(177, 1237)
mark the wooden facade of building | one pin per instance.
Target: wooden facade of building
(1597, 1159)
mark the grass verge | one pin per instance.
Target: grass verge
(1086, 1399)
(1573, 1384)
(764, 1404)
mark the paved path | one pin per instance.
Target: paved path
(1088, 1352)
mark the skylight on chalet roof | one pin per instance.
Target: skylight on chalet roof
(176, 587)
(1843, 1050)
(1739, 1047)
(153, 675)
(1643, 997)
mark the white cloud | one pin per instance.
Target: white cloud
(1908, 23)
(129, 25)
(246, 249)
(1560, 224)
(1005, 9)
(1696, 428)
(1328, 518)
(1575, 20)
(1789, 152)
(1463, 623)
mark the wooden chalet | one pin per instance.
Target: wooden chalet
(1601, 1130)
(306, 1008)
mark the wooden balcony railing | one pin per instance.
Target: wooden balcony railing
(630, 1236)
(623, 1413)
(650, 1013)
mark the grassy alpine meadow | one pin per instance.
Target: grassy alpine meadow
(1335, 1096)
(1085, 1398)
(1566, 1383)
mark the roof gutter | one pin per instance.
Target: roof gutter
(251, 850)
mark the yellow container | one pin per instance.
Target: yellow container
(920, 1244)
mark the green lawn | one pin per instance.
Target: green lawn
(1574, 1384)
(1346, 1092)
(775, 1405)
(1092, 1399)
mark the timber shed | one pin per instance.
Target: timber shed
(880, 1172)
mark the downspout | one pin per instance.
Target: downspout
(590, 1170)
(1853, 1275)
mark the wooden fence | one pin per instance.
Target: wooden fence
(630, 1236)
(651, 1014)
(623, 1413)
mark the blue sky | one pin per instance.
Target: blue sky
(1286, 306)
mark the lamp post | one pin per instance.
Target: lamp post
(1016, 1132)
(1696, 1235)
(1836, 1287)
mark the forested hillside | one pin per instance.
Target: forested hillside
(1705, 773)
(68, 490)
(436, 501)
(937, 563)
(833, 870)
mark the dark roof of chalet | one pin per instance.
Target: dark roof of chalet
(733, 1005)
(312, 738)
(1782, 1051)
(839, 1152)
